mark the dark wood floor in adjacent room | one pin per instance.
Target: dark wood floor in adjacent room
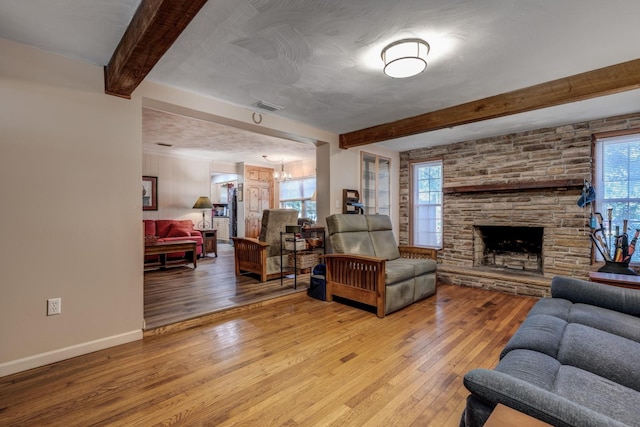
(296, 362)
(179, 293)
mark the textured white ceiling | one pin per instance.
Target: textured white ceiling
(320, 59)
(193, 137)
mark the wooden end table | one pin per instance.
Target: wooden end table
(164, 248)
(503, 416)
(209, 242)
(620, 280)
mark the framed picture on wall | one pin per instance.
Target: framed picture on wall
(149, 193)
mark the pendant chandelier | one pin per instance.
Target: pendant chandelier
(282, 175)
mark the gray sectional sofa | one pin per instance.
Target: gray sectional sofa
(367, 265)
(574, 361)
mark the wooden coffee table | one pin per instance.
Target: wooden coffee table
(164, 248)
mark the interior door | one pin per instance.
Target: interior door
(259, 185)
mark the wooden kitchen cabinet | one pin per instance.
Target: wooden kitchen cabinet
(221, 224)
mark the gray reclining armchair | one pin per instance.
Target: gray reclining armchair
(368, 266)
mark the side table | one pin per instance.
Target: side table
(209, 242)
(305, 257)
(620, 280)
(503, 416)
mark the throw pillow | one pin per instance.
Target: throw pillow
(178, 230)
(186, 223)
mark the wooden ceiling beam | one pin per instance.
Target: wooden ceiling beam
(153, 29)
(604, 81)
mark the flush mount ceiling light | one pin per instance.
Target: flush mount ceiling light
(405, 58)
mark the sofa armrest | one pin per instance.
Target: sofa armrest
(494, 387)
(615, 298)
(417, 252)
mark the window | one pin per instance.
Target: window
(299, 194)
(376, 183)
(618, 186)
(426, 221)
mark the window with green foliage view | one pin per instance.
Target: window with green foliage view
(426, 218)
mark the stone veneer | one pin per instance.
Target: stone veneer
(558, 153)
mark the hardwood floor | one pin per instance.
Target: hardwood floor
(180, 293)
(296, 362)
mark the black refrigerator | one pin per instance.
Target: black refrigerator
(233, 213)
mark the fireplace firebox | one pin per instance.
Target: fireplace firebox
(508, 247)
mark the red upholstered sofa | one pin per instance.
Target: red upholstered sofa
(164, 230)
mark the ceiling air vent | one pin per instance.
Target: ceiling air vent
(163, 144)
(268, 106)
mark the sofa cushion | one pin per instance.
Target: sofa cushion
(397, 271)
(354, 242)
(492, 386)
(601, 353)
(598, 394)
(398, 295)
(384, 244)
(531, 366)
(606, 320)
(346, 223)
(541, 333)
(163, 226)
(574, 384)
(382, 238)
(187, 223)
(420, 266)
(556, 307)
(614, 298)
(617, 323)
(149, 227)
(179, 230)
(424, 286)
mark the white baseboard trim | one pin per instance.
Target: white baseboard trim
(42, 359)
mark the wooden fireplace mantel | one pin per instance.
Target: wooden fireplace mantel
(558, 184)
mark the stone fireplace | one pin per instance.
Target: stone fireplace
(529, 179)
(508, 248)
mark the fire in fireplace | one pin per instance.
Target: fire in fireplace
(508, 247)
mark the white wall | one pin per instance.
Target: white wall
(70, 171)
(71, 220)
(345, 173)
(180, 182)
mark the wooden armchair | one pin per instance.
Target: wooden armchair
(261, 256)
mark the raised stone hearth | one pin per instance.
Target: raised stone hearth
(529, 179)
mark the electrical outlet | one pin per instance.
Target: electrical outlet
(54, 306)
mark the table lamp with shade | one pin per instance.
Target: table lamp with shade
(203, 203)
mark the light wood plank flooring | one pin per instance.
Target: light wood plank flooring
(179, 293)
(295, 362)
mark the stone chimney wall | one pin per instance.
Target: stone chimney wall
(556, 155)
